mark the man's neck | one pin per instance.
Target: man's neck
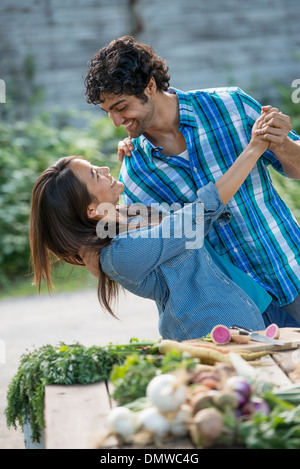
(166, 118)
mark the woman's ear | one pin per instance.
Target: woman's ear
(92, 211)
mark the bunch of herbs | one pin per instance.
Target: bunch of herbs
(64, 365)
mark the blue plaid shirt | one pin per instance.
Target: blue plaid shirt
(263, 237)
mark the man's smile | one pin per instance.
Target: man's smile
(128, 124)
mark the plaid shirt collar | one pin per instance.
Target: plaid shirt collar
(186, 117)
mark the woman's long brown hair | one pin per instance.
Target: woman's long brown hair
(59, 225)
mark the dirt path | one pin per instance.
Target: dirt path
(65, 317)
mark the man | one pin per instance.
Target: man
(183, 140)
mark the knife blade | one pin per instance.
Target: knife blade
(256, 336)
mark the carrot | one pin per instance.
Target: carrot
(254, 355)
(206, 354)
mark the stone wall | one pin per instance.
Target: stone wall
(205, 43)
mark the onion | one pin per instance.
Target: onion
(179, 424)
(153, 421)
(166, 393)
(122, 421)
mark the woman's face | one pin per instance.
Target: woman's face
(100, 183)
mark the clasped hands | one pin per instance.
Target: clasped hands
(275, 129)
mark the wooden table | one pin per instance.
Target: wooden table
(75, 415)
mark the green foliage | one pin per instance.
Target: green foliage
(62, 364)
(278, 430)
(26, 149)
(131, 378)
(289, 191)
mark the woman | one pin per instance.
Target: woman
(194, 288)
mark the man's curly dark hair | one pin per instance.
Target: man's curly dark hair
(124, 67)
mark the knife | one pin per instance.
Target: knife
(256, 336)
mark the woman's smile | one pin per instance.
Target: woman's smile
(103, 187)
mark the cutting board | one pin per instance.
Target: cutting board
(290, 336)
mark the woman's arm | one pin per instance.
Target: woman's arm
(230, 182)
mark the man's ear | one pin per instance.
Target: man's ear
(92, 211)
(151, 87)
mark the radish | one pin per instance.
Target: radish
(220, 334)
(240, 387)
(240, 339)
(206, 427)
(273, 331)
(201, 400)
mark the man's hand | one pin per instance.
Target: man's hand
(125, 147)
(91, 260)
(276, 128)
(259, 130)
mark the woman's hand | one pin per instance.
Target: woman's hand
(260, 131)
(125, 147)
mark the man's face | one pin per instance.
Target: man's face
(134, 114)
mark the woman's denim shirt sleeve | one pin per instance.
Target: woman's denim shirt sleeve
(214, 209)
(133, 255)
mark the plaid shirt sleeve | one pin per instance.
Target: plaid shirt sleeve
(253, 110)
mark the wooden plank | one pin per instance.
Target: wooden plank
(290, 336)
(270, 372)
(289, 362)
(75, 415)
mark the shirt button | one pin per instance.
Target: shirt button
(194, 168)
(249, 273)
(235, 250)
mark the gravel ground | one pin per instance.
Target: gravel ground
(64, 317)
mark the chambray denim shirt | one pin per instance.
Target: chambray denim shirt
(191, 292)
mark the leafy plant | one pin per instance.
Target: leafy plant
(131, 378)
(278, 430)
(62, 364)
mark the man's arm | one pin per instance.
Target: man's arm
(276, 129)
